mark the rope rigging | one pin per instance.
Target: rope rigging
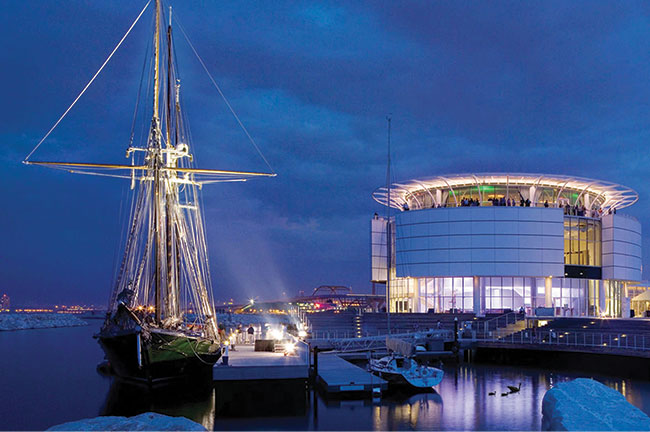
(223, 96)
(89, 83)
(164, 263)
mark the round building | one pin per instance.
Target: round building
(495, 242)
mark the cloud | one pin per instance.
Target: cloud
(551, 88)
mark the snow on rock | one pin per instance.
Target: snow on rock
(22, 321)
(586, 404)
(144, 422)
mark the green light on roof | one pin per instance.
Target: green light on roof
(486, 188)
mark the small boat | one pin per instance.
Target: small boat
(399, 369)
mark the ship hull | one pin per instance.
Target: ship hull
(162, 359)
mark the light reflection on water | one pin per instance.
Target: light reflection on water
(462, 402)
(49, 377)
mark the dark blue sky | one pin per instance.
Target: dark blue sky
(549, 87)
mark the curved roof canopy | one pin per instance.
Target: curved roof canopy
(451, 189)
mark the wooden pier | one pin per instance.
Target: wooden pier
(336, 375)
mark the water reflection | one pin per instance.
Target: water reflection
(70, 389)
(462, 401)
(401, 411)
(197, 404)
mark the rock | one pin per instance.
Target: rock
(144, 422)
(23, 321)
(586, 404)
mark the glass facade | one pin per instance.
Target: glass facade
(485, 194)
(582, 241)
(503, 293)
(614, 291)
(569, 296)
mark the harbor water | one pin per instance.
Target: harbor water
(49, 377)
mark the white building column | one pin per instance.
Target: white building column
(548, 291)
(531, 196)
(483, 295)
(478, 292)
(602, 298)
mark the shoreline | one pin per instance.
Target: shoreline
(14, 321)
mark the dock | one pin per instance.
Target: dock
(251, 376)
(337, 375)
(246, 364)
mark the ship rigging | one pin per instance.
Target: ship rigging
(161, 321)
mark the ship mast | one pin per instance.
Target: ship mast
(154, 154)
(173, 269)
(165, 254)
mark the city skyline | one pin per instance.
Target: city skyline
(555, 88)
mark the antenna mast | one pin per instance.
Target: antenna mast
(389, 237)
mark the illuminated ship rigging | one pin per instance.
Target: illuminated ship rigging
(161, 321)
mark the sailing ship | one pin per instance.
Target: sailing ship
(161, 322)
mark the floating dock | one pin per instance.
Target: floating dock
(246, 364)
(336, 375)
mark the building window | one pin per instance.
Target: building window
(582, 241)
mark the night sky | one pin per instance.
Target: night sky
(540, 87)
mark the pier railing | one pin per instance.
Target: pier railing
(485, 328)
(350, 334)
(356, 343)
(604, 341)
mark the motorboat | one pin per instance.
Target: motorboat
(399, 369)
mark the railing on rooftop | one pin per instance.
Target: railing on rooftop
(587, 213)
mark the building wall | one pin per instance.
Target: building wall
(378, 249)
(480, 241)
(621, 258)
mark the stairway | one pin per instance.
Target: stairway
(511, 328)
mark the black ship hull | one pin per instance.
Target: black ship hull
(163, 359)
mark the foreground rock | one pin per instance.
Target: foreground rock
(586, 404)
(23, 321)
(143, 422)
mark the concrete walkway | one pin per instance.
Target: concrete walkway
(247, 364)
